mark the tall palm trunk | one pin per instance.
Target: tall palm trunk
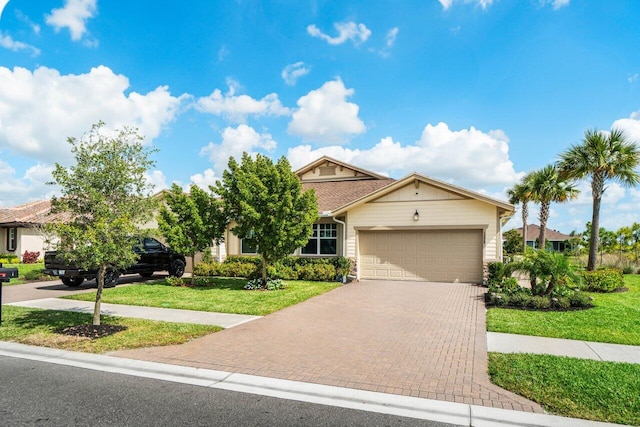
(597, 188)
(544, 216)
(525, 215)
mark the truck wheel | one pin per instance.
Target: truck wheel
(111, 277)
(72, 282)
(146, 273)
(177, 268)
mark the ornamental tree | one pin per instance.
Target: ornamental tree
(191, 222)
(105, 197)
(268, 206)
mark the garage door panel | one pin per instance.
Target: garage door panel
(442, 255)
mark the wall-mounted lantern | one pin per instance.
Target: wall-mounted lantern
(416, 216)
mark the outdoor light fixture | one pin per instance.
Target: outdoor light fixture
(416, 216)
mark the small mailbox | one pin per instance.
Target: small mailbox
(6, 274)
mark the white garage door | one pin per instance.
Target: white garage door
(434, 255)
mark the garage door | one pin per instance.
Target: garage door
(434, 255)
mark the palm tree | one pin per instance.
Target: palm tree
(521, 193)
(602, 157)
(548, 186)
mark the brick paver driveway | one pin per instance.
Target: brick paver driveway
(411, 338)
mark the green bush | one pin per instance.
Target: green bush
(496, 272)
(561, 303)
(604, 280)
(290, 268)
(232, 259)
(539, 302)
(284, 272)
(9, 259)
(37, 275)
(258, 285)
(207, 269)
(239, 269)
(579, 299)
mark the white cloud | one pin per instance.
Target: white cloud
(557, 4)
(204, 179)
(446, 4)
(32, 185)
(632, 78)
(630, 126)
(357, 33)
(24, 18)
(389, 41)
(613, 194)
(223, 52)
(235, 141)
(74, 16)
(293, 72)
(156, 180)
(236, 108)
(324, 115)
(467, 157)
(40, 109)
(7, 42)
(3, 3)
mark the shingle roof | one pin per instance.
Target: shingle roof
(334, 194)
(533, 231)
(32, 213)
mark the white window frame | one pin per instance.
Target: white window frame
(12, 238)
(322, 231)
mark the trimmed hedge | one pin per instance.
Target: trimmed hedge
(290, 268)
(604, 280)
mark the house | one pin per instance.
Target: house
(21, 227)
(414, 228)
(556, 239)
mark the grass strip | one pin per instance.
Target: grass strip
(614, 319)
(577, 388)
(225, 296)
(39, 327)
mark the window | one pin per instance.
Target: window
(323, 241)
(12, 237)
(248, 248)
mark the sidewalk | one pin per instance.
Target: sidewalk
(224, 320)
(511, 343)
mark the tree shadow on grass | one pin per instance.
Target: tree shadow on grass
(51, 319)
(226, 283)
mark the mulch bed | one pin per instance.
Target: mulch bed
(92, 331)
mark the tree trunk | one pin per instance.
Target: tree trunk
(525, 215)
(264, 271)
(597, 188)
(544, 216)
(100, 283)
(193, 268)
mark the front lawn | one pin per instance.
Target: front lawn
(614, 319)
(588, 389)
(26, 273)
(226, 296)
(38, 327)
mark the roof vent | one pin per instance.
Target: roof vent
(327, 170)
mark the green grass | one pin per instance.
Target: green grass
(588, 389)
(614, 319)
(25, 269)
(226, 296)
(38, 327)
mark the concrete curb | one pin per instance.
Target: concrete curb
(434, 410)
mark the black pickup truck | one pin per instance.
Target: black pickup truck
(152, 256)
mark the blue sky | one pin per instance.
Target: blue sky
(473, 92)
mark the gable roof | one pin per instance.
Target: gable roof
(367, 174)
(533, 231)
(333, 194)
(506, 209)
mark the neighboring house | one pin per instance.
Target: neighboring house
(414, 228)
(556, 239)
(21, 227)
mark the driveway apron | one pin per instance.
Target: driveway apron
(417, 339)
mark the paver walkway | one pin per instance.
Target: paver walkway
(408, 338)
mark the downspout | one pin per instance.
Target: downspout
(344, 240)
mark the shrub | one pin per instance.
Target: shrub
(239, 269)
(284, 272)
(9, 258)
(207, 269)
(232, 259)
(539, 302)
(38, 275)
(520, 299)
(605, 280)
(257, 284)
(30, 257)
(561, 303)
(496, 272)
(628, 269)
(318, 271)
(579, 299)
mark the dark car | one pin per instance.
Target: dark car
(152, 256)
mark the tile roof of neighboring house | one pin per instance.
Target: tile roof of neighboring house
(31, 213)
(533, 231)
(335, 194)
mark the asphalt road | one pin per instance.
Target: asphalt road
(53, 395)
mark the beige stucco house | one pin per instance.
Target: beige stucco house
(415, 228)
(21, 227)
